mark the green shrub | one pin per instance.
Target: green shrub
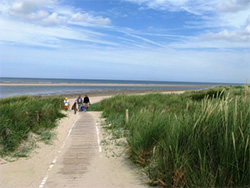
(18, 117)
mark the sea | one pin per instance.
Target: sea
(54, 89)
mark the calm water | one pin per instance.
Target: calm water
(8, 91)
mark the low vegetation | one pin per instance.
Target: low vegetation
(195, 139)
(23, 116)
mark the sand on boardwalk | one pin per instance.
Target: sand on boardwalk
(29, 172)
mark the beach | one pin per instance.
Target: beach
(10, 87)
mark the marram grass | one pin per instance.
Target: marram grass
(18, 118)
(197, 139)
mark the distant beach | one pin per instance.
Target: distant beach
(45, 87)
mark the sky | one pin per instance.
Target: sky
(158, 40)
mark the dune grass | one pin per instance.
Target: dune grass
(18, 118)
(196, 139)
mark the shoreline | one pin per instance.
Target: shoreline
(102, 85)
(99, 93)
(119, 92)
(49, 88)
(44, 89)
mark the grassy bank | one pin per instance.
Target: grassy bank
(21, 116)
(196, 139)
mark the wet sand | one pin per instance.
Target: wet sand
(101, 84)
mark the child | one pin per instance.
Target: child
(66, 104)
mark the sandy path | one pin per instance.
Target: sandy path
(43, 167)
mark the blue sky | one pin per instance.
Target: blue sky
(162, 40)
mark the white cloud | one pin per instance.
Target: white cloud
(87, 19)
(49, 13)
(237, 36)
(234, 5)
(38, 12)
(247, 30)
(224, 20)
(38, 15)
(194, 6)
(79, 17)
(52, 20)
(33, 16)
(191, 6)
(103, 21)
(248, 20)
(27, 6)
(144, 39)
(238, 28)
(23, 33)
(229, 13)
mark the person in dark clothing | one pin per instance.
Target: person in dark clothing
(74, 107)
(86, 102)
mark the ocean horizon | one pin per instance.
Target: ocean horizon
(54, 86)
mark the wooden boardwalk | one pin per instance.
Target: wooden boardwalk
(80, 149)
(81, 164)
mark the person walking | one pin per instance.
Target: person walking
(86, 102)
(74, 107)
(66, 104)
(79, 102)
